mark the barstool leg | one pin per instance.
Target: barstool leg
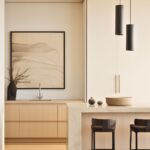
(130, 139)
(94, 141)
(136, 140)
(91, 140)
(113, 140)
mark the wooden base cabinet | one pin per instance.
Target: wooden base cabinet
(62, 129)
(12, 129)
(38, 112)
(12, 112)
(35, 120)
(38, 130)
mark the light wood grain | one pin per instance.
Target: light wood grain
(62, 112)
(35, 140)
(38, 130)
(38, 112)
(36, 120)
(36, 146)
(12, 129)
(62, 130)
(12, 112)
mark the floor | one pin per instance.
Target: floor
(35, 146)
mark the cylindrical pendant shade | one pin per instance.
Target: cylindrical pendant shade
(119, 20)
(129, 37)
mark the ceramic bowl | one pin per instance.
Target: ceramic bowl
(119, 101)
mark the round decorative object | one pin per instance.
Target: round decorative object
(99, 103)
(11, 91)
(91, 101)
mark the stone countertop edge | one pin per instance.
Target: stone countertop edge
(85, 108)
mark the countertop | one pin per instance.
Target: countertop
(85, 108)
(78, 105)
(32, 101)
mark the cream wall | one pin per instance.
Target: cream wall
(107, 55)
(1, 74)
(66, 17)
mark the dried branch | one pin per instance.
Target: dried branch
(19, 76)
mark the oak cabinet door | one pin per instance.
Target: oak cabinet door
(62, 112)
(12, 130)
(12, 112)
(62, 130)
(38, 129)
(38, 112)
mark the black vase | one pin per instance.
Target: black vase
(11, 91)
(91, 101)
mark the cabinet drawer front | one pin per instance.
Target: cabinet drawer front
(62, 130)
(38, 112)
(62, 112)
(38, 130)
(12, 112)
(12, 129)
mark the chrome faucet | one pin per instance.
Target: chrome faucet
(40, 95)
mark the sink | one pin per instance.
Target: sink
(40, 100)
(119, 101)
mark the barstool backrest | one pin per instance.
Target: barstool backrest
(142, 122)
(105, 123)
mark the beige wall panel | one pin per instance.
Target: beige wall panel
(12, 112)
(38, 130)
(62, 129)
(62, 112)
(38, 112)
(12, 129)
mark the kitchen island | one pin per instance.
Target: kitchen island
(79, 126)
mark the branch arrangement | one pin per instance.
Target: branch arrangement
(19, 77)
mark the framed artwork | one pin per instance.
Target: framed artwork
(38, 58)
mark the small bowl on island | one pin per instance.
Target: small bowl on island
(99, 103)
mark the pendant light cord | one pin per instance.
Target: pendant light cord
(120, 2)
(130, 11)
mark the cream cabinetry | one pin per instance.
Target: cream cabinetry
(35, 120)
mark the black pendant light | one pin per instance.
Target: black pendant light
(129, 34)
(119, 19)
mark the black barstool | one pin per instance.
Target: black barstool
(102, 125)
(140, 125)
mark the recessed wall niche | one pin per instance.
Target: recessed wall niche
(47, 16)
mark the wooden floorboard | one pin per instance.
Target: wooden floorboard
(35, 146)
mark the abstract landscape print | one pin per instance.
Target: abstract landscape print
(41, 56)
